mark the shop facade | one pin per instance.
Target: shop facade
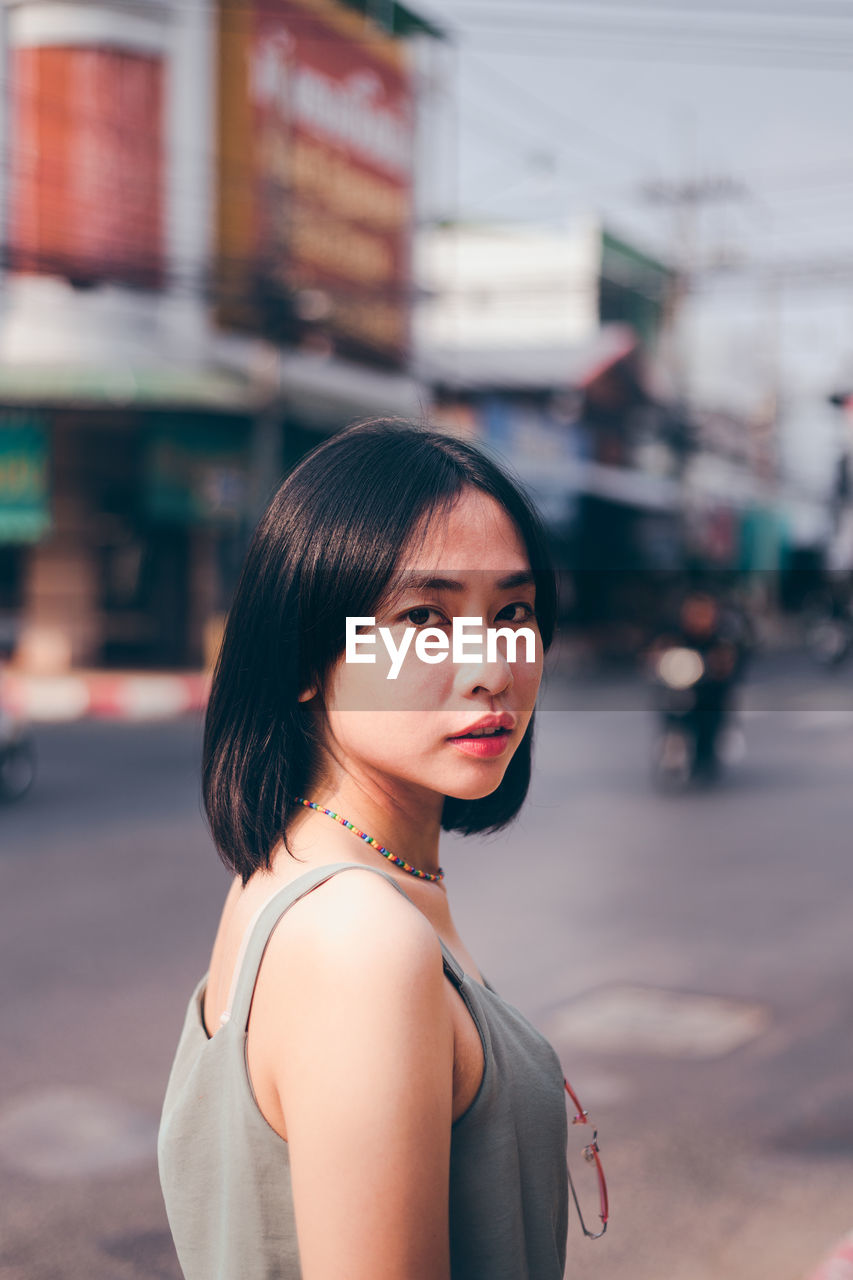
(208, 210)
(124, 551)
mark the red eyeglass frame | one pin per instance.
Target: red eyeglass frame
(590, 1153)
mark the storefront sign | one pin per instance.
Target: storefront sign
(24, 513)
(87, 155)
(316, 156)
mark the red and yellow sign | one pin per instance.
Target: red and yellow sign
(87, 164)
(316, 158)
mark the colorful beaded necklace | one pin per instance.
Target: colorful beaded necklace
(392, 857)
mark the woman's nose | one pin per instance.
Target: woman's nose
(494, 675)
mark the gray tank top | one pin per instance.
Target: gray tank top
(225, 1173)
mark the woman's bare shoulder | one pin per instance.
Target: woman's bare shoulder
(351, 1056)
(354, 917)
(353, 971)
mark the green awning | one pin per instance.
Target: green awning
(56, 385)
(24, 507)
(398, 19)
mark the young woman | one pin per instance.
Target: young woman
(350, 1100)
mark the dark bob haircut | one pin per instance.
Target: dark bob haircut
(325, 549)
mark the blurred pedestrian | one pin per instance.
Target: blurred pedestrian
(349, 1096)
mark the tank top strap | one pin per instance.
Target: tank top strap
(261, 928)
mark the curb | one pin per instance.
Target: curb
(839, 1264)
(104, 695)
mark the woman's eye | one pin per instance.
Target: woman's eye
(419, 616)
(520, 610)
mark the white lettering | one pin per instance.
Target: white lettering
(460, 639)
(432, 644)
(354, 640)
(351, 109)
(396, 655)
(512, 637)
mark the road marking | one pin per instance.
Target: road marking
(59, 699)
(153, 699)
(628, 1019)
(67, 1132)
(839, 1264)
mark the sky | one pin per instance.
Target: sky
(569, 105)
(555, 108)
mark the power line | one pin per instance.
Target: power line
(731, 21)
(706, 24)
(510, 87)
(243, 173)
(610, 47)
(771, 10)
(509, 84)
(820, 43)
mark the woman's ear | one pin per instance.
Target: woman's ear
(307, 694)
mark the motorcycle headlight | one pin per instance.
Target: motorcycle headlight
(680, 668)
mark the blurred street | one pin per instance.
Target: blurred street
(726, 1126)
(608, 245)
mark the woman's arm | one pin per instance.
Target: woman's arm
(355, 1027)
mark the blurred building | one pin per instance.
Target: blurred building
(546, 345)
(206, 216)
(760, 357)
(839, 555)
(661, 428)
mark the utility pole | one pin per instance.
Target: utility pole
(686, 199)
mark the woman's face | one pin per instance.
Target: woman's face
(408, 735)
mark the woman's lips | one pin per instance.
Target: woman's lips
(484, 747)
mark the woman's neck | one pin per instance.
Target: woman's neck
(403, 824)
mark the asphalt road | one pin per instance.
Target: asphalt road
(690, 957)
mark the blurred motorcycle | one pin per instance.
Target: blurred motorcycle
(694, 673)
(685, 735)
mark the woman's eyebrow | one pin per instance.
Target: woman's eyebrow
(428, 582)
(524, 578)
